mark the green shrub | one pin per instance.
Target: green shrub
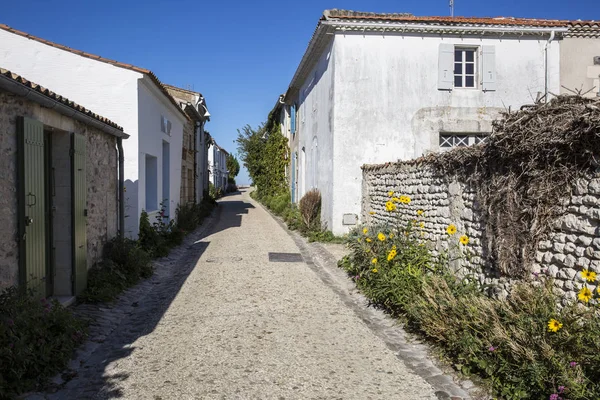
(37, 339)
(124, 264)
(505, 341)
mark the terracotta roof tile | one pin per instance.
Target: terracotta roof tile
(336, 14)
(51, 95)
(145, 71)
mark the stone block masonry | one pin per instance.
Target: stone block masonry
(573, 243)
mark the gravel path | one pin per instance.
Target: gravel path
(233, 325)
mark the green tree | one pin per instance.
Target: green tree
(233, 166)
(264, 153)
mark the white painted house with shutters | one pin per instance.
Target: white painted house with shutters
(374, 88)
(130, 96)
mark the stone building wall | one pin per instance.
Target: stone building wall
(102, 181)
(187, 164)
(102, 186)
(10, 108)
(572, 245)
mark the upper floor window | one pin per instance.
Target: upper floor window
(472, 67)
(465, 67)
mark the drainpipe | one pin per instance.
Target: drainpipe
(546, 66)
(121, 189)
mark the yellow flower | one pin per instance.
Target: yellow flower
(375, 270)
(391, 255)
(405, 199)
(391, 235)
(464, 239)
(381, 237)
(368, 240)
(372, 212)
(588, 275)
(391, 193)
(420, 212)
(390, 206)
(365, 230)
(395, 199)
(554, 325)
(422, 224)
(451, 229)
(585, 294)
(374, 261)
(394, 247)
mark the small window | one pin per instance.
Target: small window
(465, 67)
(451, 140)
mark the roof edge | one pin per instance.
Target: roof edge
(20, 86)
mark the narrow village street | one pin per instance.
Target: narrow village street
(242, 327)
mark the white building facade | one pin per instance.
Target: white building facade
(132, 97)
(217, 165)
(375, 88)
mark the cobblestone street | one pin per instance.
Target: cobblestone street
(219, 320)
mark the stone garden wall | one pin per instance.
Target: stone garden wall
(570, 246)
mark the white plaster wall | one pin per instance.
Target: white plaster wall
(314, 128)
(577, 65)
(151, 138)
(103, 88)
(388, 106)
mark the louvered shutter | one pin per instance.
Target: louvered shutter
(446, 67)
(488, 68)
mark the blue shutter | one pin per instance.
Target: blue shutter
(294, 178)
(293, 118)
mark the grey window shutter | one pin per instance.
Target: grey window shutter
(488, 70)
(445, 67)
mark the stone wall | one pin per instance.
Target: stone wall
(102, 181)
(10, 108)
(187, 164)
(572, 245)
(102, 186)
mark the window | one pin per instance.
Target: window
(151, 183)
(451, 140)
(165, 125)
(465, 67)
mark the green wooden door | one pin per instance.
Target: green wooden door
(79, 213)
(32, 209)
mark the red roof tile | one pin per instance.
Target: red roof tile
(336, 14)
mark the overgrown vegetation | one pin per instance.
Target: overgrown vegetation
(265, 154)
(524, 171)
(126, 261)
(526, 346)
(37, 339)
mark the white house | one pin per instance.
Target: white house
(217, 165)
(194, 168)
(374, 88)
(132, 97)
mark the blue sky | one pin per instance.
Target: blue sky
(239, 54)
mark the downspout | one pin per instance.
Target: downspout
(546, 66)
(121, 189)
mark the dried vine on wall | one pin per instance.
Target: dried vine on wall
(524, 173)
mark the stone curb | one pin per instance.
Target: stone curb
(106, 318)
(413, 353)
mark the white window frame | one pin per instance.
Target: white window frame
(463, 63)
(450, 140)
